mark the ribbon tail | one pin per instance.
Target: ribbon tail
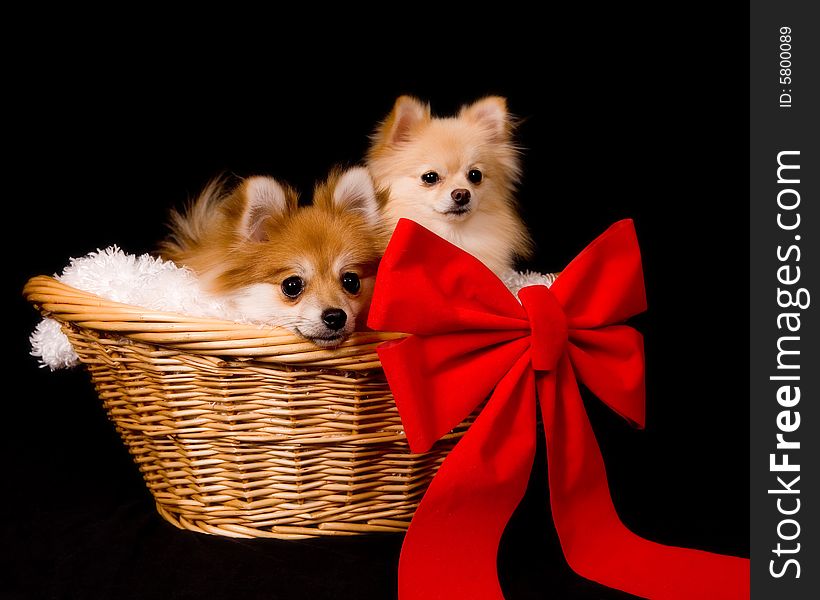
(451, 546)
(595, 542)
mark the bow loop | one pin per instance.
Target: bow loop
(603, 285)
(548, 325)
(426, 285)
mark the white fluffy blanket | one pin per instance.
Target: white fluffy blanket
(143, 281)
(155, 284)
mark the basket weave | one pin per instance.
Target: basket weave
(245, 431)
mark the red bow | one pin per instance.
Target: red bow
(473, 340)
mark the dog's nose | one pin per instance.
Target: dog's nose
(334, 318)
(460, 196)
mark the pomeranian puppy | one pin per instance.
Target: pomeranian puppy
(455, 176)
(309, 269)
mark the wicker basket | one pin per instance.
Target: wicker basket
(244, 431)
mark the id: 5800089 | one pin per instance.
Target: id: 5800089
(785, 67)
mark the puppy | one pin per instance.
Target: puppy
(455, 176)
(308, 269)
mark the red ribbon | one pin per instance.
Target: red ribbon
(472, 340)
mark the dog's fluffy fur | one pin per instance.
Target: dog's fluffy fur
(245, 242)
(411, 143)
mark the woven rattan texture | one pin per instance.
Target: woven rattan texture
(239, 444)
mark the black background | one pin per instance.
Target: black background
(107, 132)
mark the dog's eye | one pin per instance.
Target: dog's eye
(475, 176)
(351, 283)
(430, 178)
(293, 286)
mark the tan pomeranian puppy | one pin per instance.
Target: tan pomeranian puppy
(309, 269)
(455, 176)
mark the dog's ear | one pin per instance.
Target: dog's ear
(491, 114)
(263, 199)
(353, 191)
(406, 114)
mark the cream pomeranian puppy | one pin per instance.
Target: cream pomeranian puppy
(309, 269)
(455, 176)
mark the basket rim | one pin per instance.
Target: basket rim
(199, 335)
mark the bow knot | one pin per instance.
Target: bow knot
(548, 325)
